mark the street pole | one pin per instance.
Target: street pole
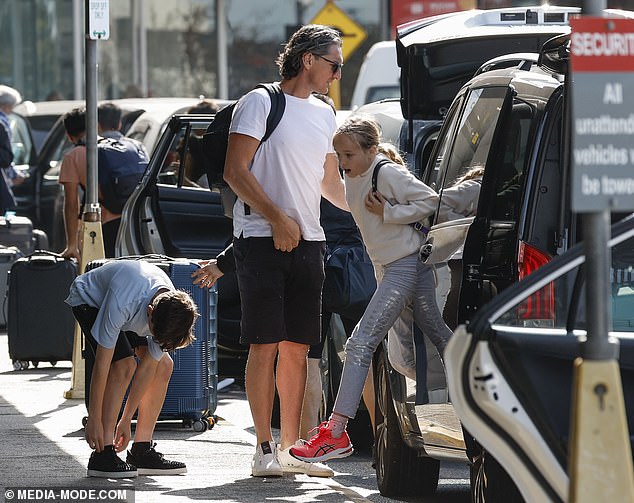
(600, 467)
(221, 41)
(91, 238)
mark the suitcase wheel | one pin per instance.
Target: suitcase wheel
(200, 425)
(84, 421)
(35, 364)
(20, 364)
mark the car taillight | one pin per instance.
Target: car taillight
(540, 305)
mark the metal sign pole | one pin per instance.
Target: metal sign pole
(600, 466)
(91, 238)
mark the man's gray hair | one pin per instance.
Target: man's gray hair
(9, 96)
(313, 38)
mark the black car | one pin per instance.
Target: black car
(511, 379)
(510, 123)
(41, 152)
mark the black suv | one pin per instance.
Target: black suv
(509, 121)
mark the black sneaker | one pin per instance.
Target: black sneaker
(106, 464)
(153, 463)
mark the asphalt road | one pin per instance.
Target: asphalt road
(42, 446)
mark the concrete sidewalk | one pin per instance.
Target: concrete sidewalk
(42, 446)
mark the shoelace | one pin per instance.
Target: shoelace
(317, 429)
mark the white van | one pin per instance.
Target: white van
(378, 77)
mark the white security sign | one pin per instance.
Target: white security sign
(602, 56)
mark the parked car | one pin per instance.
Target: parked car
(40, 197)
(510, 372)
(510, 122)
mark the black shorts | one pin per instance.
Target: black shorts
(126, 342)
(280, 291)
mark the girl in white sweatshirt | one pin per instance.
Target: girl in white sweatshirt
(385, 219)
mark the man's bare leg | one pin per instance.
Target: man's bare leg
(291, 384)
(260, 388)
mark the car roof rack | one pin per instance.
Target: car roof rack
(519, 60)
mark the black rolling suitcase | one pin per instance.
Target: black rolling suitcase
(40, 325)
(192, 391)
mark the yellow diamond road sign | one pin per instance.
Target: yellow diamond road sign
(352, 34)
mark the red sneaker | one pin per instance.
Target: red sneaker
(323, 446)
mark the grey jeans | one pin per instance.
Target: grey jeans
(405, 282)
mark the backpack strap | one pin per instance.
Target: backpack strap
(278, 105)
(375, 173)
(419, 226)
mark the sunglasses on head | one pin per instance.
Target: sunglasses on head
(336, 67)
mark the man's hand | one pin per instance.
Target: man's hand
(207, 275)
(71, 252)
(94, 434)
(286, 234)
(122, 434)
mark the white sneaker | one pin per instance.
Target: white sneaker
(294, 465)
(265, 463)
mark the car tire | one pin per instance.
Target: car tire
(399, 469)
(490, 483)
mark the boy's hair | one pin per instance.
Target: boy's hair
(313, 38)
(204, 106)
(109, 116)
(173, 317)
(367, 133)
(75, 121)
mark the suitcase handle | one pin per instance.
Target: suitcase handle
(150, 256)
(44, 256)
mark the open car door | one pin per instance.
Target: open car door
(510, 371)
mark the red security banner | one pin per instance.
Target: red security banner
(602, 44)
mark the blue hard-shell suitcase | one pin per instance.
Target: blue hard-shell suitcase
(192, 392)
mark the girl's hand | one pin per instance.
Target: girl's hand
(206, 276)
(375, 202)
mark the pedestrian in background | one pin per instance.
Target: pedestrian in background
(9, 98)
(109, 126)
(385, 219)
(278, 240)
(72, 176)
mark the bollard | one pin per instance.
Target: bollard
(91, 248)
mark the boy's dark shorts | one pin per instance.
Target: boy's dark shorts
(127, 341)
(280, 291)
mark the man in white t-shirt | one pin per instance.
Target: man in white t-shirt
(278, 240)
(128, 309)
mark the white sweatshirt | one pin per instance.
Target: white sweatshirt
(390, 237)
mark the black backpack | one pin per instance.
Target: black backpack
(122, 162)
(216, 139)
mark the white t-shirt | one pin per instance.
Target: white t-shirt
(290, 164)
(122, 291)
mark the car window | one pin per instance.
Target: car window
(474, 132)
(21, 143)
(510, 158)
(445, 140)
(561, 305)
(184, 165)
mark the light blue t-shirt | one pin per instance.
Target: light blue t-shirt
(122, 290)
